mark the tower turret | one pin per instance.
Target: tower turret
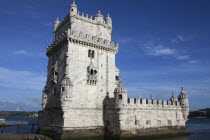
(120, 95)
(184, 103)
(66, 90)
(173, 97)
(56, 23)
(109, 21)
(99, 17)
(73, 9)
(44, 97)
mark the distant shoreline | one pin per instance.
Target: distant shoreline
(18, 114)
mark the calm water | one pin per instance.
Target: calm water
(199, 128)
(22, 129)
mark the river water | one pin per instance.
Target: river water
(199, 128)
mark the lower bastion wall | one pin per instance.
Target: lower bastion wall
(140, 115)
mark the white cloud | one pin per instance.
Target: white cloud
(182, 57)
(21, 79)
(158, 50)
(181, 38)
(192, 61)
(20, 52)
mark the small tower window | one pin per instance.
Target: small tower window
(63, 88)
(95, 72)
(117, 78)
(91, 72)
(72, 10)
(91, 53)
(148, 122)
(120, 96)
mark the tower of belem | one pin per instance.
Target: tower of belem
(84, 95)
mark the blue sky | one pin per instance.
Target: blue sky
(163, 45)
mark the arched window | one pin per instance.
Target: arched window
(91, 72)
(95, 71)
(117, 78)
(120, 96)
(93, 53)
(89, 53)
(63, 89)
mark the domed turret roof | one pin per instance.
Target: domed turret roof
(99, 14)
(108, 17)
(182, 94)
(66, 81)
(57, 20)
(73, 4)
(173, 97)
(120, 88)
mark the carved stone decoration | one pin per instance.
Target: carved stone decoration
(82, 35)
(100, 40)
(75, 33)
(54, 74)
(44, 97)
(92, 74)
(66, 89)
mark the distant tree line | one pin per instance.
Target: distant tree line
(203, 113)
(16, 113)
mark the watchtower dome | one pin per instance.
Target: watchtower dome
(73, 9)
(120, 95)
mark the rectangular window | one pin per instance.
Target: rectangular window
(63, 88)
(117, 78)
(148, 122)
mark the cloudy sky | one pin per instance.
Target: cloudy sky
(163, 45)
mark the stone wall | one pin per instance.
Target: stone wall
(139, 114)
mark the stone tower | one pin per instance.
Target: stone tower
(81, 71)
(84, 95)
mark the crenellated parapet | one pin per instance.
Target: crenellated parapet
(54, 45)
(122, 101)
(85, 39)
(63, 22)
(94, 20)
(136, 103)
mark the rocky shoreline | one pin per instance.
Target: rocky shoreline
(23, 137)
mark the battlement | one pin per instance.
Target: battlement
(83, 17)
(93, 20)
(63, 22)
(85, 39)
(144, 103)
